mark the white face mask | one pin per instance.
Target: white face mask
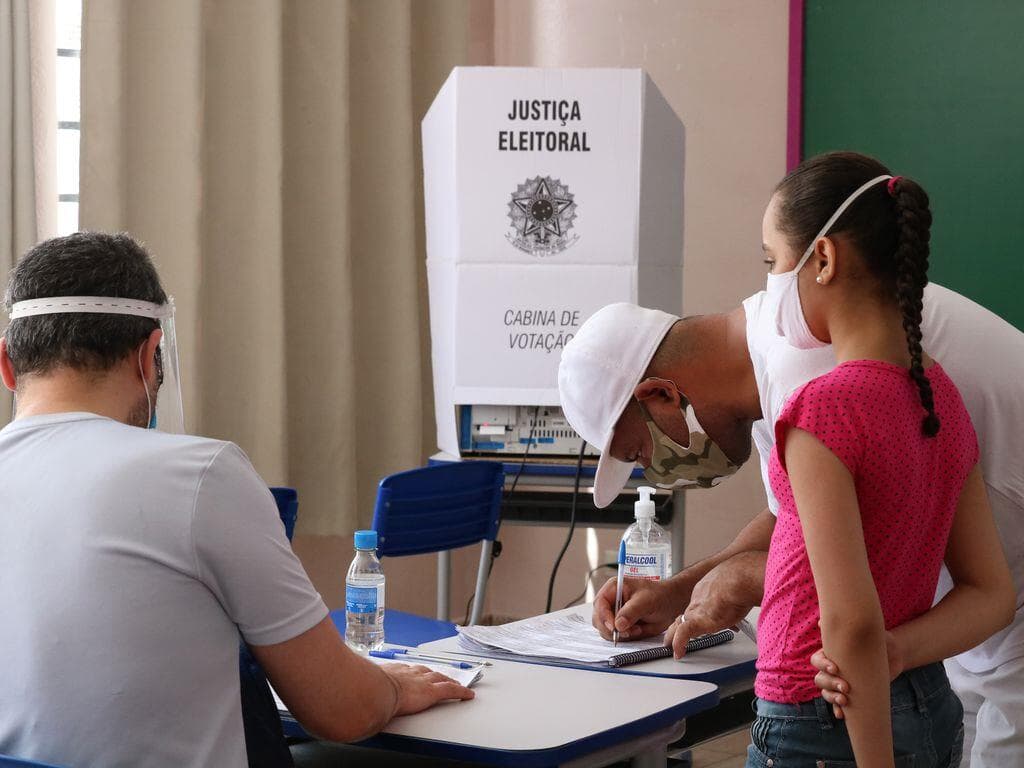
(783, 289)
(789, 313)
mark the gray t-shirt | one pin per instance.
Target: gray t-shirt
(131, 562)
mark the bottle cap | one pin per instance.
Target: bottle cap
(366, 539)
(644, 507)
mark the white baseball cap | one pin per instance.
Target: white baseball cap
(599, 370)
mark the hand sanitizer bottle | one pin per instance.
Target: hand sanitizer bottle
(648, 545)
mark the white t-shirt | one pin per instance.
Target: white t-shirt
(132, 560)
(984, 356)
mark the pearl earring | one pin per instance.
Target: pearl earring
(820, 281)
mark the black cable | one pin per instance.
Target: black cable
(508, 494)
(586, 581)
(522, 463)
(572, 524)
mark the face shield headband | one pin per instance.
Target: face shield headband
(169, 410)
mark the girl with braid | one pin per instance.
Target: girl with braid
(875, 468)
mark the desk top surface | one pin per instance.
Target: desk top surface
(533, 715)
(721, 664)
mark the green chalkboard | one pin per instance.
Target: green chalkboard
(935, 90)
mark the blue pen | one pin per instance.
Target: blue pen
(618, 588)
(431, 657)
(401, 656)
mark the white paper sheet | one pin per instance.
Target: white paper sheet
(466, 677)
(567, 636)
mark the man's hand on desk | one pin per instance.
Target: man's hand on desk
(648, 607)
(419, 688)
(719, 600)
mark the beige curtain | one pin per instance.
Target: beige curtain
(28, 134)
(267, 152)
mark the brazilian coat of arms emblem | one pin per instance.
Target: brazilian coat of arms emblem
(542, 210)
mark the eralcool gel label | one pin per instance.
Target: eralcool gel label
(646, 565)
(363, 599)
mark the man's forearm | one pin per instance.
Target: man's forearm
(755, 537)
(962, 619)
(746, 576)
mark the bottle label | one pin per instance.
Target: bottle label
(364, 599)
(652, 566)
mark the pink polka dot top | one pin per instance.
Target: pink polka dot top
(868, 413)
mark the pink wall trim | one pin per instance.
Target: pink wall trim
(794, 106)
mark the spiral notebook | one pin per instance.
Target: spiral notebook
(570, 638)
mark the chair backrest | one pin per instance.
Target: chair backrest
(17, 762)
(287, 500)
(435, 508)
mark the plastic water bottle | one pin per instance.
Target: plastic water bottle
(364, 596)
(648, 545)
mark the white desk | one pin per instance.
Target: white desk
(533, 715)
(538, 714)
(725, 664)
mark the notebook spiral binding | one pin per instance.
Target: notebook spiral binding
(694, 644)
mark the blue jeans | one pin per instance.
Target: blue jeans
(927, 728)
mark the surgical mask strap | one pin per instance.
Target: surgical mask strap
(835, 217)
(684, 408)
(145, 386)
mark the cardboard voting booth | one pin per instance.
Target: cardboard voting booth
(549, 193)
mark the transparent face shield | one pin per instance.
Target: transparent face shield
(170, 413)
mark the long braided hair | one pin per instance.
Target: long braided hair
(914, 220)
(889, 224)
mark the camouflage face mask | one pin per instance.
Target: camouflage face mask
(702, 464)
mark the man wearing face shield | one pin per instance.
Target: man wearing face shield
(135, 558)
(736, 371)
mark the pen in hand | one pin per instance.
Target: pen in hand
(618, 589)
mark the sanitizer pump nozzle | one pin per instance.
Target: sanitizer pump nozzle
(643, 509)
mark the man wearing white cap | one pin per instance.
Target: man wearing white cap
(621, 383)
(622, 368)
(679, 396)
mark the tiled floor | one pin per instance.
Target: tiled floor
(728, 751)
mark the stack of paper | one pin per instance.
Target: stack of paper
(563, 637)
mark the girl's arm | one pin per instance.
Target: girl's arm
(981, 602)
(852, 627)
(983, 598)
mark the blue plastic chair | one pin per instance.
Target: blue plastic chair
(287, 500)
(437, 509)
(399, 627)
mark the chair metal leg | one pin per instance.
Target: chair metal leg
(444, 577)
(486, 548)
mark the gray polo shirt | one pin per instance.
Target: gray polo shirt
(131, 561)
